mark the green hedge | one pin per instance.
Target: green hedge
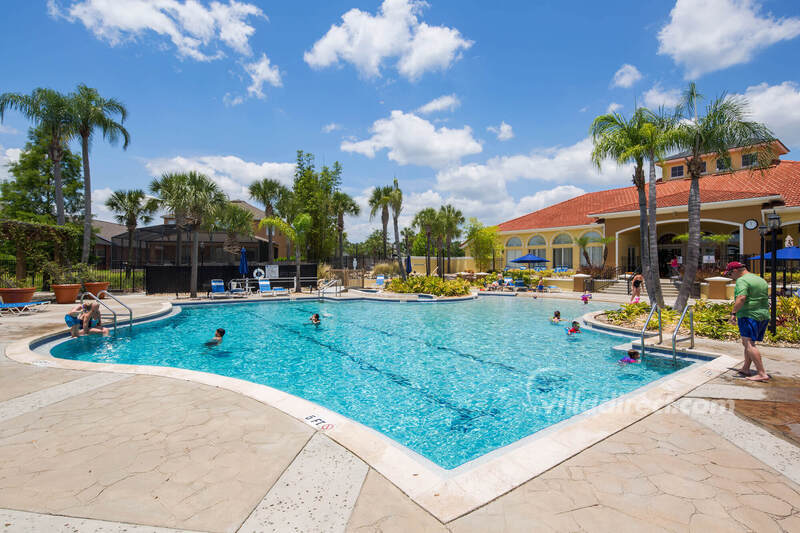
(430, 285)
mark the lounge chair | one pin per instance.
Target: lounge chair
(380, 282)
(236, 290)
(265, 288)
(553, 288)
(218, 289)
(508, 283)
(519, 285)
(22, 308)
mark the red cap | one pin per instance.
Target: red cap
(733, 265)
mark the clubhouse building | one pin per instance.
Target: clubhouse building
(735, 201)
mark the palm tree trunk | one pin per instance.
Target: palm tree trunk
(298, 288)
(397, 245)
(55, 157)
(130, 252)
(340, 230)
(195, 250)
(693, 245)
(448, 255)
(586, 257)
(427, 254)
(178, 240)
(269, 244)
(653, 238)
(643, 241)
(87, 201)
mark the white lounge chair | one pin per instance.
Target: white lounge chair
(237, 291)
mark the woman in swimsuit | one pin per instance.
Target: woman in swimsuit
(636, 291)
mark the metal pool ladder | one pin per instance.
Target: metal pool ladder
(646, 322)
(328, 284)
(675, 339)
(113, 313)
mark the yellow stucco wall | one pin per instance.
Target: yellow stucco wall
(457, 264)
(549, 236)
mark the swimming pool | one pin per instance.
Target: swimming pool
(450, 381)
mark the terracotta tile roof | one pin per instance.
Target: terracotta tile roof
(107, 230)
(782, 178)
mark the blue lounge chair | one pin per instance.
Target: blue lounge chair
(265, 288)
(21, 308)
(519, 285)
(380, 282)
(508, 283)
(218, 289)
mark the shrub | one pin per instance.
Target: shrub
(599, 272)
(386, 269)
(430, 285)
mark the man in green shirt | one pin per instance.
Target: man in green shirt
(751, 314)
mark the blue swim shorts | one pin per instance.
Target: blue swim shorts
(752, 328)
(71, 321)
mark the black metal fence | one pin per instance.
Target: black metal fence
(120, 277)
(164, 279)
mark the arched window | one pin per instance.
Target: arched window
(593, 236)
(562, 238)
(537, 240)
(514, 241)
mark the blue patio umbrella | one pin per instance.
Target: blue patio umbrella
(243, 262)
(530, 258)
(791, 253)
(408, 264)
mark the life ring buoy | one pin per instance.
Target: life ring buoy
(259, 273)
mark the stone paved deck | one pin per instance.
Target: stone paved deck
(161, 452)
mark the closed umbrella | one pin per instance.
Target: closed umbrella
(243, 263)
(408, 264)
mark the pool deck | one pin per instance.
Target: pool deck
(105, 451)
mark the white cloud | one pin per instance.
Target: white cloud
(367, 40)
(195, 31)
(626, 76)
(231, 173)
(413, 140)
(447, 102)
(262, 72)
(504, 131)
(777, 106)
(99, 209)
(716, 34)
(8, 156)
(231, 101)
(327, 128)
(8, 130)
(584, 109)
(613, 107)
(542, 199)
(656, 97)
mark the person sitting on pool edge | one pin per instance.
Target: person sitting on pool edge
(217, 337)
(92, 321)
(576, 328)
(74, 318)
(556, 317)
(631, 358)
(315, 319)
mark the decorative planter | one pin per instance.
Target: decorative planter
(96, 286)
(66, 294)
(17, 296)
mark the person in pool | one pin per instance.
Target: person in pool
(93, 322)
(576, 328)
(556, 317)
(74, 318)
(630, 359)
(217, 337)
(586, 296)
(315, 319)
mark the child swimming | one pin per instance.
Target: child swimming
(315, 319)
(556, 317)
(576, 328)
(586, 296)
(631, 358)
(217, 337)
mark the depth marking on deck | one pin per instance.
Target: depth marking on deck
(316, 493)
(42, 398)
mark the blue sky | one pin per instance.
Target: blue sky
(483, 105)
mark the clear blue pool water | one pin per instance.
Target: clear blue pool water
(451, 381)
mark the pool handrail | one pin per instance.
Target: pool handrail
(653, 309)
(675, 339)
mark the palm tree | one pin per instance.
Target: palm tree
(655, 132)
(267, 192)
(171, 190)
(605, 241)
(621, 140)
(379, 201)
(200, 198)
(396, 203)
(296, 232)
(452, 219)
(583, 243)
(235, 222)
(438, 234)
(425, 220)
(132, 207)
(51, 111)
(343, 204)
(90, 111)
(724, 125)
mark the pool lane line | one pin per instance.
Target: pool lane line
(465, 414)
(429, 344)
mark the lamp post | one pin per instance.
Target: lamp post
(762, 230)
(774, 223)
